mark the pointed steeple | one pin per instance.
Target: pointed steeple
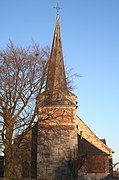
(56, 79)
(56, 91)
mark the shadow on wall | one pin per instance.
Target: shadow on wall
(63, 171)
(68, 169)
(1, 166)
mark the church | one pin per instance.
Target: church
(61, 146)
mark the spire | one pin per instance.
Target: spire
(56, 79)
(56, 91)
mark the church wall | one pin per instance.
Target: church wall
(34, 151)
(57, 142)
(87, 134)
(96, 160)
(23, 157)
(97, 164)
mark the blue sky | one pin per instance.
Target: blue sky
(90, 38)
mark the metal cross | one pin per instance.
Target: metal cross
(57, 8)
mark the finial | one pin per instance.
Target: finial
(57, 9)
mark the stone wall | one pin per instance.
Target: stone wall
(94, 176)
(57, 143)
(23, 157)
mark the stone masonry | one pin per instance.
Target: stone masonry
(57, 143)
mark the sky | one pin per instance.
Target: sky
(90, 40)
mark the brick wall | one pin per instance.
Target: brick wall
(97, 164)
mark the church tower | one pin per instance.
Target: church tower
(57, 136)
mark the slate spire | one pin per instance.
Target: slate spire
(56, 79)
(56, 91)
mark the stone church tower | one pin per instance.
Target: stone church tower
(57, 136)
(60, 146)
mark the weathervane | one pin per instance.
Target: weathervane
(57, 9)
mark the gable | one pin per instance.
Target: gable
(88, 135)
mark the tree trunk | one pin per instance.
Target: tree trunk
(9, 171)
(9, 161)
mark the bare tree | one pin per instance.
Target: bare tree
(22, 77)
(23, 73)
